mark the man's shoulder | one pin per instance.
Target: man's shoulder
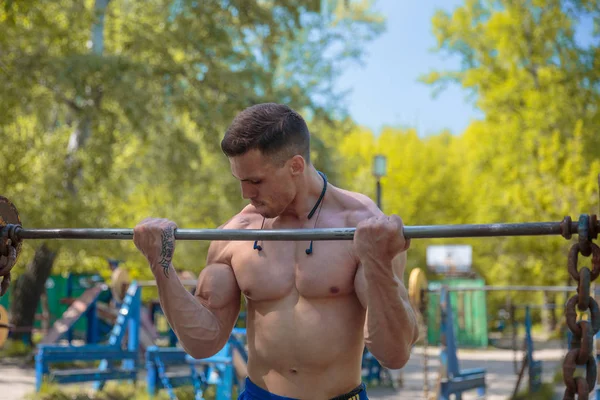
(247, 218)
(220, 251)
(357, 206)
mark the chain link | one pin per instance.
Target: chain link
(9, 244)
(581, 346)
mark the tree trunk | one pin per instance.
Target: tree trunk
(45, 312)
(29, 288)
(83, 127)
(27, 291)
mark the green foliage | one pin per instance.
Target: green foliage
(421, 184)
(532, 157)
(156, 97)
(103, 131)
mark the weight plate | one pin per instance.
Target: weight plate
(9, 215)
(417, 283)
(3, 326)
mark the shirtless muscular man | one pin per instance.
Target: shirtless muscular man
(311, 306)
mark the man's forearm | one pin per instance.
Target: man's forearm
(391, 327)
(196, 327)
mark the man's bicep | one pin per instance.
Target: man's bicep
(217, 290)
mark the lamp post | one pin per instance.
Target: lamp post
(379, 171)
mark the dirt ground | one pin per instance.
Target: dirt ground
(16, 381)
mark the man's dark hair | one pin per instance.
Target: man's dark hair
(275, 129)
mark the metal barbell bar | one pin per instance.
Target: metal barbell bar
(410, 232)
(10, 227)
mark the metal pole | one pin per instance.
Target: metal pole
(184, 282)
(424, 310)
(379, 194)
(410, 232)
(507, 288)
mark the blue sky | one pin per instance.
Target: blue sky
(385, 90)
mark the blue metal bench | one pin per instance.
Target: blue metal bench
(49, 354)
(534, 367)
(158, 361)
(454, 380)
(107, 354)
(216, 370)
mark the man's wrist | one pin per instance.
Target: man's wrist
(160, 270)
(376, 260)
(377, 270)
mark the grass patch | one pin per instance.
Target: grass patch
(113, 391)
(546, 392)
(15, 348)
(558, 376)
(74, 365)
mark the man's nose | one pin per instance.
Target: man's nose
(248, 192)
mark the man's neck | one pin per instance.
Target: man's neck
(309, 189)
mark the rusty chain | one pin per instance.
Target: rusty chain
(581, 346)
(5, 264)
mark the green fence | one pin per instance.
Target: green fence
(469, 309)
(57, 290)
(4, 299)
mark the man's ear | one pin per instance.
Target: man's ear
(297, 165)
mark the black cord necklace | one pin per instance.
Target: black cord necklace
(310, 214)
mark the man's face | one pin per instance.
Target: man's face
(269, 188)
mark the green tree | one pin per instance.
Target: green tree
(422, 183)
(113, 111)
(534, 154)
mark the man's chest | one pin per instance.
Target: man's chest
(281, 267)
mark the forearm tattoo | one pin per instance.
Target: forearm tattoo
(166, 251)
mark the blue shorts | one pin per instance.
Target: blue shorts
(253, 392)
